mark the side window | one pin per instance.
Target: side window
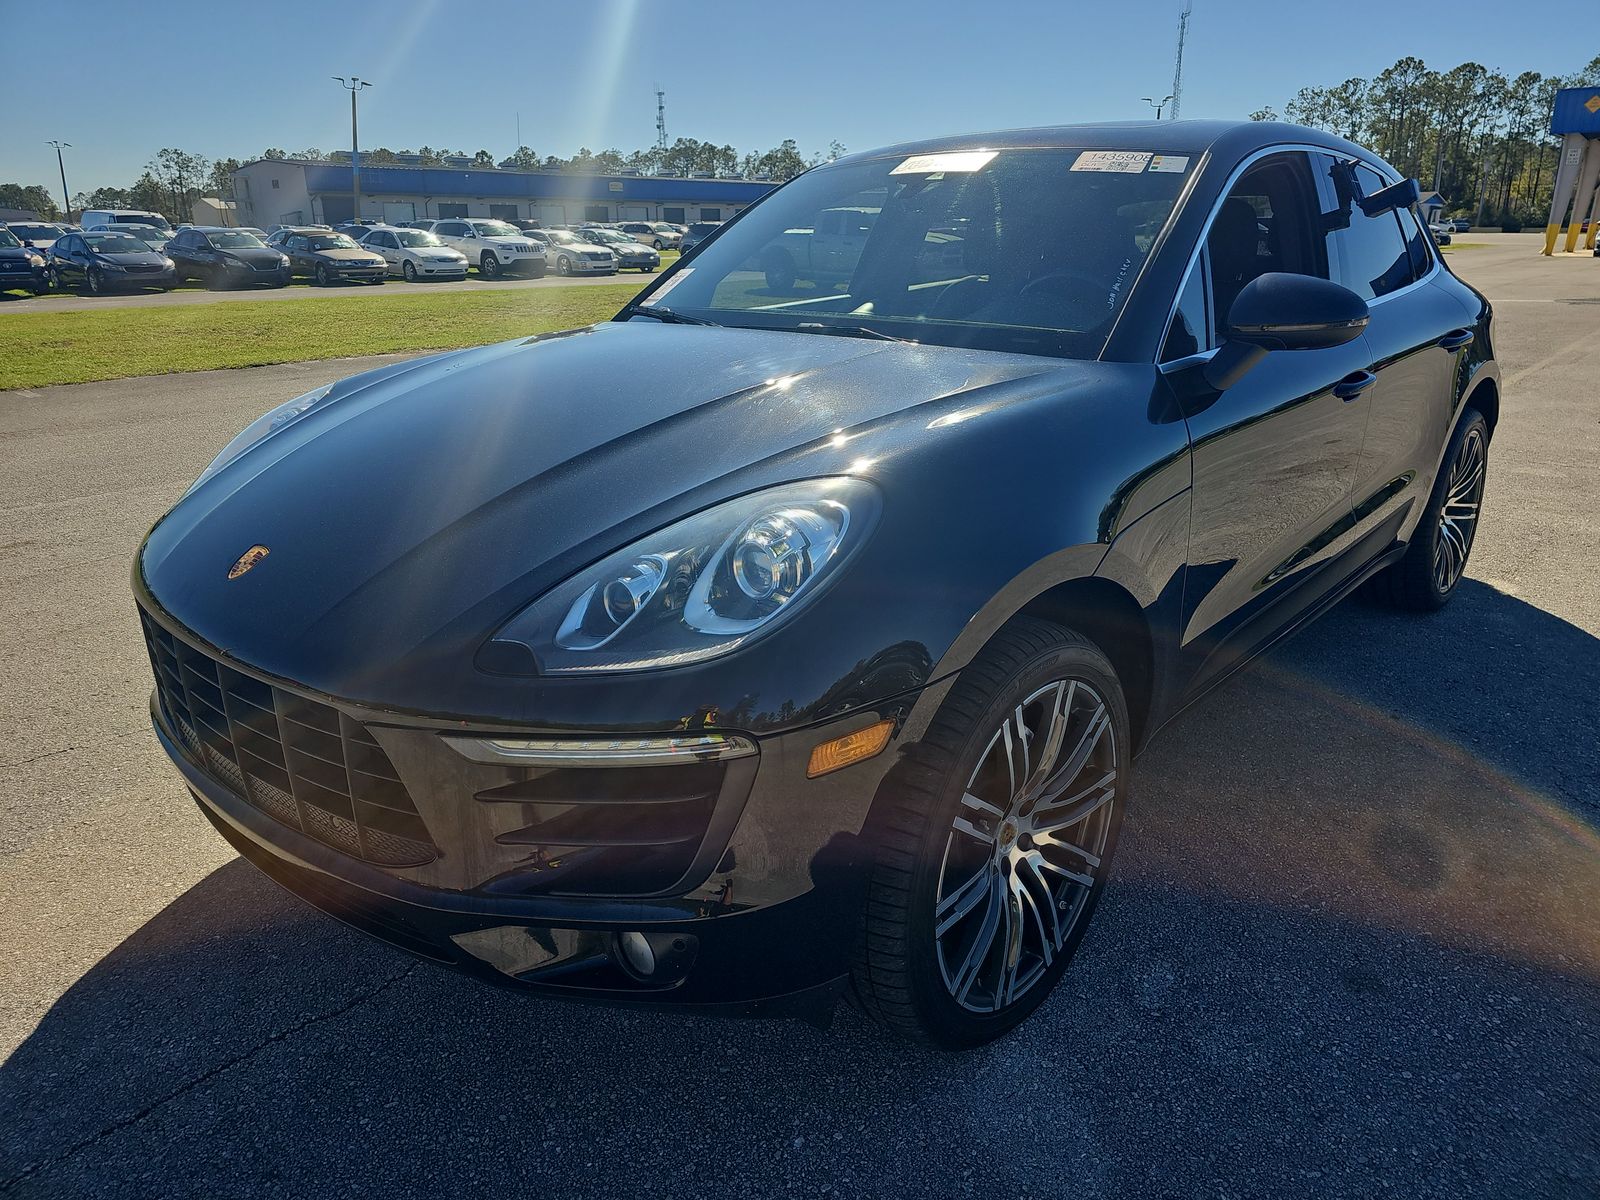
(1190, 332)
(1374, 259)
(1270, 221)
(1417, 241)
(297, 243)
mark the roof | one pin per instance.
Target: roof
(1162, 137)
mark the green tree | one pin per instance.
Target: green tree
(272, 152)
(483, 159)
(783, 162)
(523, 159)
(1265, 113)
(31, 196)
(378, 157)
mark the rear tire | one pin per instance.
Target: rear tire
(1436, 560)
(779, 271)
(981, 891)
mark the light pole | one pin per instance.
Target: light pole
(354, 85)
(66, 202)
(1158, 105)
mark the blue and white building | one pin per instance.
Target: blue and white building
(274, 191)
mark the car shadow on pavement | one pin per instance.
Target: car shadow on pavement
(1352, 948)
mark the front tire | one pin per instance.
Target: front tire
(563, 265)
(409, 270)
(1436, 559)
(489, 266)
(324, 277)
(95, 282)
(993, 838)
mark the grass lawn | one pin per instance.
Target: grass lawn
(38, 349)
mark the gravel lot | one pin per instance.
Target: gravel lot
(1352, 947)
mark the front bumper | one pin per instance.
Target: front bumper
(763, 918)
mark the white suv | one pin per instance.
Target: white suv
(494, 247)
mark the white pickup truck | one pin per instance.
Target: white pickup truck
(494, 247)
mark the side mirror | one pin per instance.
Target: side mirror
(1280, 311)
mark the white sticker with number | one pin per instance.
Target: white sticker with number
(954, 161)
(1127, 162)
(667, 287)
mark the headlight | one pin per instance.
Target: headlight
(35, 261)
(283, 260)
(696, 589)
(167, 262)
(262, 427)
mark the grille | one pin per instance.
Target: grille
(271, 268)
(143, 268)
(304, 764)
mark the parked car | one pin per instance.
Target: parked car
(697, 233)
(224, 257)
(94, 218)
(101, 261)
(494, 247)
(631, 255)
(1460, 225)
(825, 248)
(155, 238)
(835, 722)
(329, 257)
(21, 266)
(1441, 231)
(354, 229)
(574, 255)
(415, 254)
(658, 235)
(38, 234)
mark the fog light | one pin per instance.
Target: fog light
(636, 952)
(851, 748)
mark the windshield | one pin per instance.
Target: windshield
(8, 239)
(607, 235)
(329, 241)
(1031, 251)
(562, 238)
(115, 243)
(142, 219)
(36, 233)
(234, 239)
(663, 227)
(416, 237)
(496, 229)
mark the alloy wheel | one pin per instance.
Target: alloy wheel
(96, 284)
(1458, 519)
(409, 271)
(1026, 847)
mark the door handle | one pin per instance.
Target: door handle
(1353, 384)
(1456, 339)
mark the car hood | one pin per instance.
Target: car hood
(252, 254)
(134, 258)
(423, 504)
(366, 257)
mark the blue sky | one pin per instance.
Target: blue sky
(222, 78)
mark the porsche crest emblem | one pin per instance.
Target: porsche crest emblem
(247, 561)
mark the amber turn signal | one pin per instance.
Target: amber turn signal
(851, 748)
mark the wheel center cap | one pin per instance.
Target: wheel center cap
(1008, 835)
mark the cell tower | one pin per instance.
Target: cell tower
(1177, 71)
(661, 121)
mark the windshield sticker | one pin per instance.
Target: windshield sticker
(1127, 162)
(957, 160)
(1175, 163)
(667, 287)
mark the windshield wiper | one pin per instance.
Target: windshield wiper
(667, 315)
(860, 331)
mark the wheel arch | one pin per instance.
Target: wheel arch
(1485, 397)
(1108, 615)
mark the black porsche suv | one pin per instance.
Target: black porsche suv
(768, 642)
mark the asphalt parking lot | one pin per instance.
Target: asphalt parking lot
(1351, 946)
